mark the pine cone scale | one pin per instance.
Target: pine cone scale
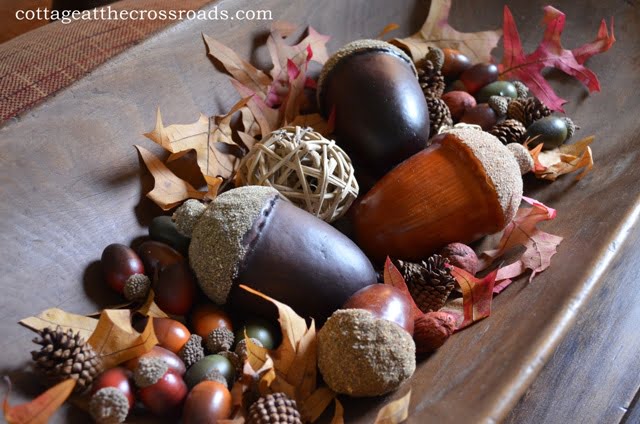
(430, 282)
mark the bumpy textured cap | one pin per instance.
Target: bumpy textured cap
(215, 375)
(218, 240)
(149, 371)
(192, 351)
(187, 215)
(361, 355)
(500, 166)
(522, 156)
(241, 348)
(109, 406)
(220, 339)
(137, 287)
(357, 47)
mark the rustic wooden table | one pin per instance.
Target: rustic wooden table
(72, 184)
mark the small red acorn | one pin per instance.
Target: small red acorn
(162, 390)
(117, 377)
(208, 402)
(173, 360)
(171, 334)
(119, 262)
(175, 289)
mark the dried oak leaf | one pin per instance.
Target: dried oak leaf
(393, 277)
(169, 190)
(150, 309)
(437, 32)
(477, 295)
(295, 360)
(523, 231)
(53, 317)
(338, 413)
(40, 409)
(550, 164)
(394, 412)
(550, 53)
(116, 341)
(317, 403)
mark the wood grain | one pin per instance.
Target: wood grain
(72, 184)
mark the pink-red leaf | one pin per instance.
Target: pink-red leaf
(550, 53)
(477, 294)
(393, 277)
(40, 409)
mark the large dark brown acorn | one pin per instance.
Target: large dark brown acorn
(466, 185)
(252, 236)
(381, 115)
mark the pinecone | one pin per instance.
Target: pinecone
(527, 110)
(430, 79)
(430, 282)
(274, 408)
(439, 114)
(65, 354)
(192, 351)
(509, 131)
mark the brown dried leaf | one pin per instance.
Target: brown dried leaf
(338, 414)
(54, 317)
(437, 32)
(116, 341)
(249, 123)
(315, 405)
(551, 164)
(394, 412)
(267, 118)
(387, 29)
(240, 69)
(40, 409)
(169, 190)
(150, 308)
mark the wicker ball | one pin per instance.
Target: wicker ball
(307, 169)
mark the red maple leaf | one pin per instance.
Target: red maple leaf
(550, 53)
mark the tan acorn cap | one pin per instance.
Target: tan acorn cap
(218, 241)
(353, 48)
(500, 166)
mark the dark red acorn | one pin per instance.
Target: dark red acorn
(119, 262)
(455, 63)
(207, 317)
(175, 289)
(482, 115)
(156, 256)
(478, 76)
(386, 302)
(207, 403)
(166, 396)
(173, 361)
(118, 378)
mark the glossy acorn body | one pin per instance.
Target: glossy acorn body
(119, 378)
(171, 334)
(464, 186)
(386, 302)
(253, 237)
(156, 256)
(173, 361)
(207, 403)
(175, 289)
(119, 262)
(166, 396)
(207, 317)
(381, 115)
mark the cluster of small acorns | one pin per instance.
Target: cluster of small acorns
(458, 91)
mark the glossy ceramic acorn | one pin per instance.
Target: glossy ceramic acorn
(381, 116)
(251, 236)
(467, 184)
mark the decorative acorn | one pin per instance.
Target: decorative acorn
(381, 116)
(251, 236)
(467, 184)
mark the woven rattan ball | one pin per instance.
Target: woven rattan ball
(307, 169)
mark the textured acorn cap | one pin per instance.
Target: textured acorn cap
(523, 157)
(187, 215)
(220, 339)
(500, 166)
(218, 242)
(109, 406)
(137, 287)
(357, 47)
(192, 351)
(361, 355)
(215, 375)
(149, 371)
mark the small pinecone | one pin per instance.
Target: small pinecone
(274, 408)
(65, 354)
(241, 348)
(220, 339)
(430, 79)
(436, 56)
(499, 104)
(571, 126)
(430, 282)
(522, 89)
(527, 110)
(439, 115)
(509, 131)
(192, 351)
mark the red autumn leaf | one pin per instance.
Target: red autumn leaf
(550, 53)
(40, 409)
(477, 294)
(393, 277)
(523, 231)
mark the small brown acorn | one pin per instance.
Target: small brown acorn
(251, 236)
(381, 116)
(386, 302)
